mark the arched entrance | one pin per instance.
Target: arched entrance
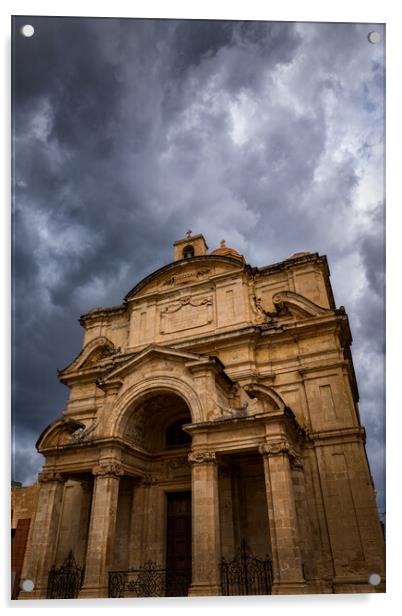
(153, 522)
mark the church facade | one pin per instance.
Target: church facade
(212, 422)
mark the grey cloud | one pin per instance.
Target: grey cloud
(128, 132)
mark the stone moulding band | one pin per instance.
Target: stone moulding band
(202, 457)
(110, 469)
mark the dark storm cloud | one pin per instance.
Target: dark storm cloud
(128, 132)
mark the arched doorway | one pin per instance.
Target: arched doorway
(153, 529)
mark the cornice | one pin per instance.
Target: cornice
(311, 257)
(307, 370)
(323, 437)
(97, 314)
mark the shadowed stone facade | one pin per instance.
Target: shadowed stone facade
(217, 403)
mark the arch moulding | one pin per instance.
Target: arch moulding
(137, 392)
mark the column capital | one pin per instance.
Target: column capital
(108, 469)
(275, 449)
(51, 476)
(202, 457)
(282, 447)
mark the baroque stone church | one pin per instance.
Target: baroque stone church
(211, 443)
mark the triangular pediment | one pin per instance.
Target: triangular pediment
(148, 354)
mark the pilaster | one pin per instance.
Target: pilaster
(42, 548)
(286, 556)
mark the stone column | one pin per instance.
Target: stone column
(206, 552)
(101, 529)
(285, 541)
(42, 546)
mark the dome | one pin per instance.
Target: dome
(226, 251)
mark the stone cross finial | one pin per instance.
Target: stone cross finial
(223, 243)
(189, 232)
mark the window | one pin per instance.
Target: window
(188, 252)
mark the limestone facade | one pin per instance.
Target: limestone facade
(217, 403)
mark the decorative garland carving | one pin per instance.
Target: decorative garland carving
(187, 301)
(108, 469)
(202, 457)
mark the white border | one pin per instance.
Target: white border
(385, 11)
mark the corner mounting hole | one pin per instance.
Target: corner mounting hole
(374, 37)
(374, 579)
(27, 30)
(27, 585)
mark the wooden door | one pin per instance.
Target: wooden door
(178, 544)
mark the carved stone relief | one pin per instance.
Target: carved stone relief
(136, 425)
(177, 467)
(186, 278)
(186, 313)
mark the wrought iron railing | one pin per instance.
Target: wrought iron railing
(65, 582)
(246, 574)
(149, 580)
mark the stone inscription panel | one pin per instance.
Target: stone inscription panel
(186, 314)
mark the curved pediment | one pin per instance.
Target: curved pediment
(92, 357)
(289, 303)
(272, 399)
(185, 273)
(59, 432)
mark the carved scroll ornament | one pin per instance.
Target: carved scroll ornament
(202, 457)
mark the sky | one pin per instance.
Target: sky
(127, 132)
